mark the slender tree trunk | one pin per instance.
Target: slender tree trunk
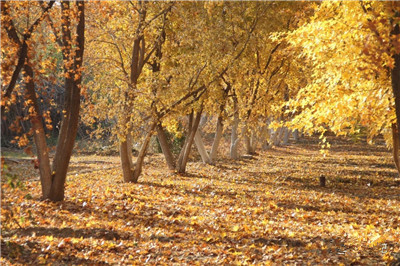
(184, 156)
(182, 152)
(265, 137)
(217, 139)
(395, 75)
(235, 140)
(201, 148)
(165, 147)
(286, 134)
(69, 125)
(276, 137)
(253, 142)
(395, 137)
(296, 135)
(39, 135)
(247, 140)
(142, 153)
(137, 57)
(396, 84)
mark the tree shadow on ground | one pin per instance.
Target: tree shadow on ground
(362, 188)
(27, 255)
(326, 208)
(98, 233)
(205, 191)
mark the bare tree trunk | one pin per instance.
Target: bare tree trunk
(198, 140)
(217, 139)
(276, 137)
(395, 137)
(253, 142)
(184, 155)
(265, 136)
(137, 62)
(69, 125)
(247, 141)
(165, 147)
(39, 135)
(235, 140)
(296, 135)
(142, 153)
(182, 152)
(395, 74)
(286, 133)
(125, 152)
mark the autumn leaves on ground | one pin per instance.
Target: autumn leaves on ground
(266, 208)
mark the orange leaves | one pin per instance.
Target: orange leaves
(268, 209)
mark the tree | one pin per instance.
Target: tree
(52, 180)
(354, 75)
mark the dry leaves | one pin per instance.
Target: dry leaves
(265, 209)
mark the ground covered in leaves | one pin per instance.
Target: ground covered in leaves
(268, 208)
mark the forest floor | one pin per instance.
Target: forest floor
(264, 209)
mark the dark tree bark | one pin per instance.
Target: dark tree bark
(69, 124)
(395, 72)
(395, 138)
(38, 134)
(396, 83)
(137, 62)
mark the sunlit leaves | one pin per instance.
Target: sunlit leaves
(347, 50)
(269, 209)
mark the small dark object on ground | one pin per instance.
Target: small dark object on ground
(322, 180)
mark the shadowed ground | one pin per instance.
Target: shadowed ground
(260, 209)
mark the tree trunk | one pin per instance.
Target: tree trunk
(276, 136)
(125, 151)
(296, 135)
(395, 75)
(265, 137)
(247, 142)
(217, 139)
(69, 125)
(138, 49)
(235, 140)
(253, 142)
(182, 152)
(395, 137)
(286, 134)
(165, 147)
(201, 148)
(184, 155)
(142, 153)
(39, 135)
(396, 86)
